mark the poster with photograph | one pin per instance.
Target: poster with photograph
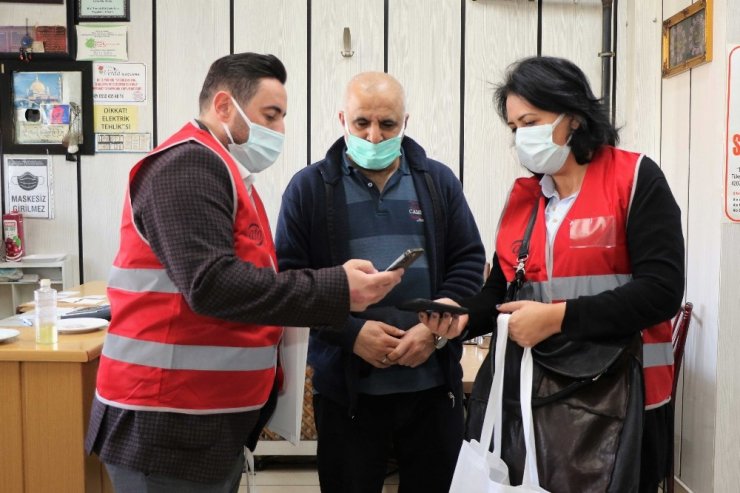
(29, 186)
(31, 89)
(47, 107)
(41, 117)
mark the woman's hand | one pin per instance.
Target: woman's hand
(444, 324)
(532, 322)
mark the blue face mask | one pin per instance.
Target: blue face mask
(373, 156)
(262, 148)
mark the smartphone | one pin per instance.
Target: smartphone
(406, 259)
(424, 305)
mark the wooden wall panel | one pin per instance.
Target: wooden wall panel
(704, 273)
(710, 266)
(727, 444)
(186, 46)
(572, 30)
(639, 77)
(674, 153)
(675, 164)
(330, 71)
(15, 14)
(424, 54)
(496, 34)
(287, 39)
(104, 177)
(625, 51)
(693, 167)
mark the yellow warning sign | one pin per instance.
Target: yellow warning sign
(116, 119)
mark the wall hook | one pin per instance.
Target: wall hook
(347, 51)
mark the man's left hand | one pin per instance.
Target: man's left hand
(416, 345)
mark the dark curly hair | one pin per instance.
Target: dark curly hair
(557, 85)
(240, 74)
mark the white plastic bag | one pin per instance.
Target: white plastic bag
(481, 471)
(286, 420)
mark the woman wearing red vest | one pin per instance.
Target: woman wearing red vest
(605, 265)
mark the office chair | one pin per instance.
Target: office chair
(680, 330)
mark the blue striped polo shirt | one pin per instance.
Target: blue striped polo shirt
(382, 225)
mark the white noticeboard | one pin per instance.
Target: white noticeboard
(118, 83)
(732, 138)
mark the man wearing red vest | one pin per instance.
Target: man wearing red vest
(188, 375)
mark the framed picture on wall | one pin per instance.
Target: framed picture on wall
(102, 10)
(46, 107)
(687, 38)
(37, 30)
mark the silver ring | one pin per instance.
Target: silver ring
(384, 360)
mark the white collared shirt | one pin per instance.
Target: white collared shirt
(556, 208)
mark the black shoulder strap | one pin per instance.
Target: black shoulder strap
(524, 247)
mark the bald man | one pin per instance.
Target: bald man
(385, 387)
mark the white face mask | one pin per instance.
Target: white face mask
(261, 149)
(536, 150)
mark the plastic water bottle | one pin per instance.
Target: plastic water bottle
(46, 313)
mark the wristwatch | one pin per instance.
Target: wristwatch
(439, 341)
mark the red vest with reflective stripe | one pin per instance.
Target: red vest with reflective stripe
(159, 355)
(589, 253)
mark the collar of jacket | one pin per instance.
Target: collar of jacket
(331, 169)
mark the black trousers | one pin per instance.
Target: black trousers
(422, 430)
(657, 447)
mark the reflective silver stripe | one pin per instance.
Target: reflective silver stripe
(657, 354)
(183, 357)
(565, 288)
(141, 280)
(540, 291)
(181, 410)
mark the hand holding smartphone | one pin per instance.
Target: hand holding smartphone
(424, 305)
(406, 259)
